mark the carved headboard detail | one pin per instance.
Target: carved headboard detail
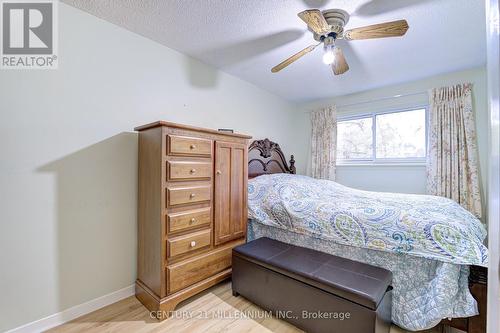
(266, 157)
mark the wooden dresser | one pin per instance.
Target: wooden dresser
(192, 210)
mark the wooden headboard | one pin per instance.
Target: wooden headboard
(266, 157)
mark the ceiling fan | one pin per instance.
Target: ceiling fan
(328, 26)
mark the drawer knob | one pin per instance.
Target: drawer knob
(193, 243)
(192, 170)
(218, 172)
(192, 146)
(192, 195)
(193, 220)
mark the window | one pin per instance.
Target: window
(354, 139)
(383, 137)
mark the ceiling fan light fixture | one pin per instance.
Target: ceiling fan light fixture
(329, 46)
(329, 55)
(328, 25)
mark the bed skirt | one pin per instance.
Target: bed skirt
(425, 290)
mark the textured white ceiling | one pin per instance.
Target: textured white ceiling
(248, 37)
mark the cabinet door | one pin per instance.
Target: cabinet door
(230, 197)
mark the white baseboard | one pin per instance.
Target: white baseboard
(76, 311)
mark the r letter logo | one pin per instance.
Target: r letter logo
(29, 34)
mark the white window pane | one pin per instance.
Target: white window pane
(354, 139)
(401, 134)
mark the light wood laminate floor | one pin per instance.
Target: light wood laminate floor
(129, 315)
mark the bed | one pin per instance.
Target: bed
(417, 237)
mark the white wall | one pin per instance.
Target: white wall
(68, 169)
(405, 179)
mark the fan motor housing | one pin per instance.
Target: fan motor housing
(336, 19)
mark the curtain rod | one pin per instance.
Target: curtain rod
(379, 99)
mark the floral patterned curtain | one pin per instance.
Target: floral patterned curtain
(452, 165)
(324, 143)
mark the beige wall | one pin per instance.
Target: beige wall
(68, 170)
(406, 179)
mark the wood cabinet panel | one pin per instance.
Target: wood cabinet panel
(187, 273)
(230, 206)
(188, 243)
(183, 170)
(190, 219)
(222, 195)
(239, 214)
(188, 146)
(149, 231)
(188, 194)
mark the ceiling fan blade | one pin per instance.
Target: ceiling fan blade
(339, 65)
(388, 29)
(315, 21)
(293, 58)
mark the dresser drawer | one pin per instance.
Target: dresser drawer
(184, 274)
(188, 243)
(189, 219)
(188, 146)
(188, 194)
(180, 170)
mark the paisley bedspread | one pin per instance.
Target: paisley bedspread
(419, 225)
(425, 290)
(427, 242)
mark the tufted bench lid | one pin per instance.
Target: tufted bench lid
(358, 282)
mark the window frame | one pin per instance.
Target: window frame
(386, 161)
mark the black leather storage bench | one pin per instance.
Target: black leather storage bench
(314, 291)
